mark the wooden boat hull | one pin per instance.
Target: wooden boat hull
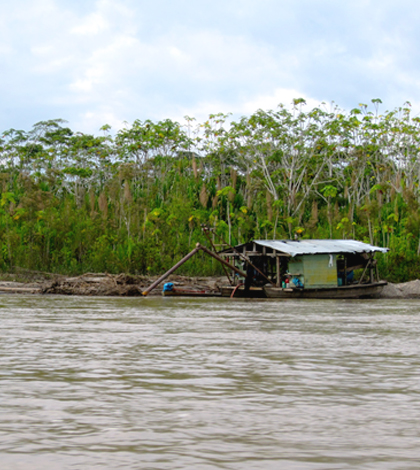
(189, 293)
(353, 291)
(253, 293)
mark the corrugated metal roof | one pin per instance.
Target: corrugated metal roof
(312, 247)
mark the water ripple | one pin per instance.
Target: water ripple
(208, 384)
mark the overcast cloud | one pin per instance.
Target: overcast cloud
(113, 61)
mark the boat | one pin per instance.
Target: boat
(352, 291)
(189, 293)
(239, 291)
(312, 269)
(169, 290)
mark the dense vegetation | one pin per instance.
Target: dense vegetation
(135, 201)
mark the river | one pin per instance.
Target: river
(205, 384)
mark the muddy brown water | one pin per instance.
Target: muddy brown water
(203, 384)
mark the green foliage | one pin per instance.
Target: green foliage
(136, 202)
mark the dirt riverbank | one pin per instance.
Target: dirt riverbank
(93, 284)
(124, 285)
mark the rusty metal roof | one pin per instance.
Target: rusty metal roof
(315, 247)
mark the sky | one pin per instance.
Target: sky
(97, 62)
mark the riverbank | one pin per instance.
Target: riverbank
(100, 284)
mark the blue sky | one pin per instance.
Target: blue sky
(113, 61)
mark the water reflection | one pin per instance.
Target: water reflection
(163, 383)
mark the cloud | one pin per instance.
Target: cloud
(91, 25)
(95, 120)
(93, 62)
(283, 96)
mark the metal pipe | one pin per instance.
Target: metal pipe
(221, 260)
(206, 230)
(168, 273)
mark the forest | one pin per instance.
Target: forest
(136, 200)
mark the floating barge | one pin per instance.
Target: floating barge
(316, 269)
(281, 269)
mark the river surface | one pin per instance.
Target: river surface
(205, 384)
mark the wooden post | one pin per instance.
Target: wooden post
(345, 271)
(364, 271)
(168, 273)
(247, 259)
(278, 283)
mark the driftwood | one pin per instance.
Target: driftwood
(123, 285)
(20, 290)
(97, 284)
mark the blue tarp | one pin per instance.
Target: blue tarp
(167, 287)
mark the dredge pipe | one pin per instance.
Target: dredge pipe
(168, 273)
(221, 260)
